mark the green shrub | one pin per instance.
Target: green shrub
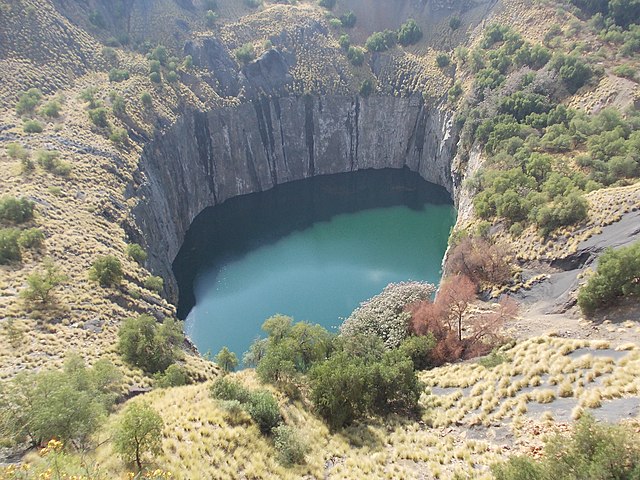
(187, 63)
(89, 95)
(264, 410)
(154, 283)
(41, 284)
(110, 55)
(50, 161)
(455, 22)
(616, 276)
(494, 359)
(107, 271)
(155, 77)
(173, 376)
(381, 41)
(28, 101)
(348, 19)
(146, 100)
(172, 77)
(51, 109)
(344, 41)
(210, 18)
(160, 54)
(443, 60)
(118, 104)
(290, 447)
(418, 349)
(31, 238)
(335, 22)
(224, 388)
(32, 126)
(16, 151)
(9, 247)
(409, 33)
(626, 71)
(245, 53)
(366, 87)
(118, 75)
(137, 253)
(119, 136)
(573, 71)
(99, 117)
(138, 433)
(455, 92)
(16, 210)
(148, 344)
(594, 450)
(355, 55)
(68, 405)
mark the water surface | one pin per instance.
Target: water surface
(312, 249)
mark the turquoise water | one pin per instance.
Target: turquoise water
(319, 273)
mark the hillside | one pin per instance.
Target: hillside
(121, 121)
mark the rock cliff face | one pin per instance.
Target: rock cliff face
(208, 157)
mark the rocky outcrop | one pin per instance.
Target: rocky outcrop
(206, 158)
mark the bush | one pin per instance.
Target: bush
(595, 451)
(229, 390)
(626, 71)
(418, 349)
(384, 315)
(155, 77)
(32, 126)
(16, 151)
(99, 117)
(28, 101)
(119, 136)
(107, 271)
(355, 55)
(154, 283)
(245, 53)
(366, 87)
(16, 210)
(9, 247)
(89, 95)
(210, 18)
(118, 75)
(291, 449)
(40, 285)
(409, 33)
(264, 410)
(454, 23)
(118, 104)
(31, 238)
(67, 405)
(173, 376)
(146, 100)
(137, 253)
(616, 276)
(172, 77)
(51, 109)
(381, 41)
(148, 344)
(443, 60)
(348, 19)
(50, 161)
(160, 54)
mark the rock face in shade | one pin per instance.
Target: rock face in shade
(206, 158)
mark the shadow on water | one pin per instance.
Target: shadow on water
(234, 228)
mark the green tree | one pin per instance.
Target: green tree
(99, 117)
(154, 283)
(173, 376)
(138, 433)
(617, 275)
(146, 100)
(245, 53)
(32, 126)
(9, 246)
(443, 60)
(51, 109)
(150, 345)
(107, 271)
(409, 33)
(355, 55)
(41, 284)
(264, 410)
(226, 360)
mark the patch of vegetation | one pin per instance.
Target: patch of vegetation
(173, 376)
(348, 20)
(328, 4)
(32, 126)
(16, 210)
(28, 101)
(617, 275)
(245, 53)
(594, 450)
(50, 161)
(356, 55)
(31, 238)
(51, 109)
(381, 41)
(290, 447)
(98, 117)
(68, 405)
(41, 284)
(226, 360)
(117, 75)
(154, 283)
(443, 60)
(148, 344)
(137, 253)
(409, 33)
(9, 246)
(146, 100)
(107, 271)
